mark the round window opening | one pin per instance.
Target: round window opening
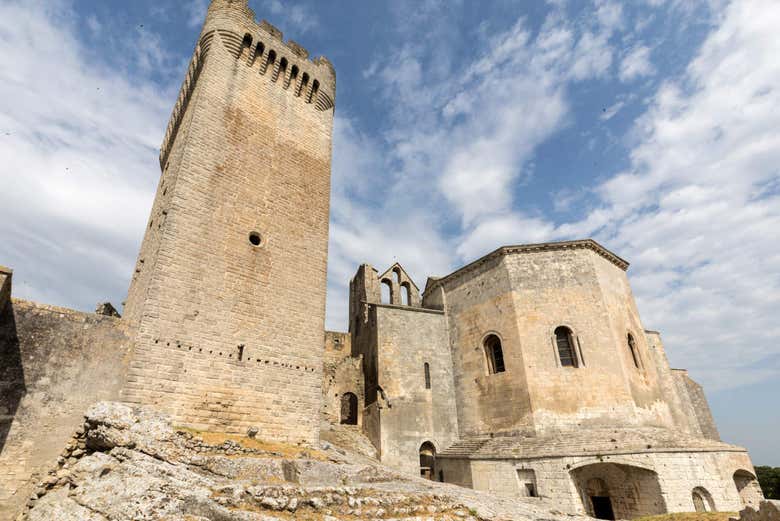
(255, 239)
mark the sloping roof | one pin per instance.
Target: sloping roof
(584, 442)
(588, 244)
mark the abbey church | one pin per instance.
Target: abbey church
(527, 373)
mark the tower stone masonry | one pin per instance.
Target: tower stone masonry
(228, 294)
(527, 373)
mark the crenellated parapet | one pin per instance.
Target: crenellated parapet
(259, 46)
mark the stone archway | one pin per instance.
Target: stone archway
(748, 488)
(702, 500)
(618, 491)
(428, 460)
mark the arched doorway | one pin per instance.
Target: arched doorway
(349, 412)
(748, 488)
(618, 490)
(702, 500)
(600, 500)
(427, 460)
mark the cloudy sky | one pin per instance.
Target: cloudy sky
(652, 126)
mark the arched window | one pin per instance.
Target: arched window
(702, 500)
(427, 370)
(632, 349)
(387, 292)
(293, 77)
(303, 85)
(427, 460)
(564, 340)
(270, 61)
(313, 94)
(258, 52)
(494, 354)
(282, 70)
(748, 488)
(405, 294)
(349, 413)
(246, 44)
(397, 275)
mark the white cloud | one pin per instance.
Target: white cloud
(78, 169)
(609, 14)
(196, 12)
(293, 17)
(636, 64)
(698, 212)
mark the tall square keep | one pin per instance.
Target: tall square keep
(228, 294)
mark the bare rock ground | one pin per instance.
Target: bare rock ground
(130, 463)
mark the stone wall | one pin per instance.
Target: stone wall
(54, 364)
(409, 413)
(675, 395)
(639, 484)
(342, 373)
(477, 304)
(229, 287)
(522, 295)
(696, 404)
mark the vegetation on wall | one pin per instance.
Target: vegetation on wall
(769, 478)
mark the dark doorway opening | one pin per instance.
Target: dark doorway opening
(428, 460)
(349, 412)
(602, 507)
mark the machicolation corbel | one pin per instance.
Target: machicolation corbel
(270, 29)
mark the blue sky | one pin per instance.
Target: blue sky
(652, 126)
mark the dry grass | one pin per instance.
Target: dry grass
(283, 450)
(691, 516)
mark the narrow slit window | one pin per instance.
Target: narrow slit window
(564, 340)
(632, 349)
(427, 371)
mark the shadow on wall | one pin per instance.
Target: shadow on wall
(12, 384)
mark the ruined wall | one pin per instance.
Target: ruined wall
(411, 414)
(54, 364)
(5, 287)
(479, 303)
(229, 289)
(342, 373)
(695, 403)
(680, 410)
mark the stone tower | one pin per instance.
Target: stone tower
(228, 294)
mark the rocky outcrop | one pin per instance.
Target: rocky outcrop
(129, 463)
(767, 511)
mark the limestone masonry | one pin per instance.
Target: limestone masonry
(527, 373)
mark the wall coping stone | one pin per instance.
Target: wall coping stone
(405, 308)
(588, 244)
